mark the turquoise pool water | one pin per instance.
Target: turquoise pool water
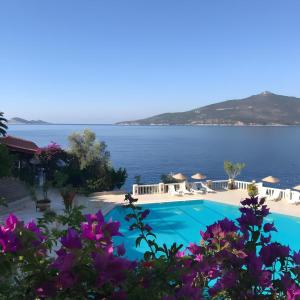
(182, 221)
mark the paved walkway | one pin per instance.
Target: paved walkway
(105, 201)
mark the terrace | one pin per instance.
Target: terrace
(150, 194)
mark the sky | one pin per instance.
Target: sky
(96, 61)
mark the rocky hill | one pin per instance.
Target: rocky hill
(262, 109)
(26, 122)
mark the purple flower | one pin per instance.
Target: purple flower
(269, 227)
(121, 250)
(296, 257)
(249, 218)
(271, 252)
(71, 240)
(266, 239)
(98, 217)
(66, 279)
(147, 227)
(293, 292)
(64, 261)
(194, 248)
(11, 222)
(33, 227)
(112, 228)
(144, 214)
(250, 201)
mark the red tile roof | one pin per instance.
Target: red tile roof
(18, 144)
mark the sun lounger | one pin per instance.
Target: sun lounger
(197, 191)
(182, 189)
(207, 189)
(295, 199)
(173, 192)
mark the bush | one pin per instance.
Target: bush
(234, 260)
(94, 170)
(252, 190)
(6, 161)
(168, 178)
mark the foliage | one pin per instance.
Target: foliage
(93, 163)
(234, 259)
(233, 169)
(6, 161)
(49, 159)
(3, 126)
(168, 178)
(252, 190)
(88, 151)
(118, 177)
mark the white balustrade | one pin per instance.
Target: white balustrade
(161, 188)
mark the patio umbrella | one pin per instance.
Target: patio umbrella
(297, 187)
(198, 176)
(271, 179)
(179, 176)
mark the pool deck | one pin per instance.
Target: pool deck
(108, 200)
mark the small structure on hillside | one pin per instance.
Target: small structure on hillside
(24, 152)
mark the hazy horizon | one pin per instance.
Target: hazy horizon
(101, 62)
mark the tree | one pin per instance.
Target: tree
(3, 126)
(88, 151)
(49, 158)
(92, 156)
(233, 170)
(119, 177)
(6, 161)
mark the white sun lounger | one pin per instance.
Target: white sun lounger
(295, 199)
(182, 189)
(207, 189)
(197, 191)
(173, 192)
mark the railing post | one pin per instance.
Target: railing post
(259, 186)
(161, 188)
(287, 194)
(135, 189)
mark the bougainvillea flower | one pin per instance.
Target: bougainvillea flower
(121, 250)
(269, 227)
(71, 240)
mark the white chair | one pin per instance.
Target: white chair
(184, 190)
(207, 189)
(275, 197)
(195, 190)
(173, 192)
(295, 198)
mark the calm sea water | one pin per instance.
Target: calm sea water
(150, 151)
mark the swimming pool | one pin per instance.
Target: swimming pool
(182, 221)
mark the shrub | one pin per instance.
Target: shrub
(234, 260)
(252, 190)
(6, 162)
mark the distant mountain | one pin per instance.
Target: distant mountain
(26, 122)
(262, 109)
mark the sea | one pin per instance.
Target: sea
(150, 151)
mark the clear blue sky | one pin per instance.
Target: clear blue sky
(104, 61)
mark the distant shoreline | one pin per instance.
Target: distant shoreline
(160, 125)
